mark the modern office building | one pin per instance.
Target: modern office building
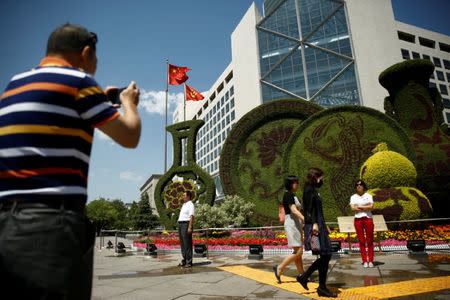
(326, 51)
(149, 188)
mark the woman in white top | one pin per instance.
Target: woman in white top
(362, 204)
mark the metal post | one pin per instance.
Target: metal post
(115, 243)
(165, 131)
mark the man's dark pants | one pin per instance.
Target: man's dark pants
(45, 253)
(185, 242)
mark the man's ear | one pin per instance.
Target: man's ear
(87, 53)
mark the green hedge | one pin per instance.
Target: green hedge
(339, 140)
(251, 158)
(206, 191)
(400, 203)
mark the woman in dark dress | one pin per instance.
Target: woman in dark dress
(315, 225)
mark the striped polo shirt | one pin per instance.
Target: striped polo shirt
(47, 121)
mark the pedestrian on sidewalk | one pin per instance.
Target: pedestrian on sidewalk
(362, 204)
(293, 226)
(315, 225)
(185, 229)
(47, 120)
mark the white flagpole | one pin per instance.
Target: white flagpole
(184, 109)
(165, 131)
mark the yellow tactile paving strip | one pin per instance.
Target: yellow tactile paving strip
(374, 292)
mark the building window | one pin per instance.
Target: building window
(443, 89)
(232, 102)
(232, 115)
(448, 117)
(426, 42)
(220, 88)
(432, 84)
(227, 108)
(440, 76)
(407, 37)
(444, 47)
(232, 90)
(415, 55)
(437, 62)
(223, 123)
(223, 135)
(222, 101)
(426, 57)
(227, 96)
(405, 54)
(229, 77)
(228, 119)
(446, 103)
(446, 64)
(448, 77)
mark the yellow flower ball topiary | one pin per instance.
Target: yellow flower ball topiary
(385, 169)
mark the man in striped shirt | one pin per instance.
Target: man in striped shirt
(47, 121)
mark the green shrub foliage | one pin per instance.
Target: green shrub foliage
(339, 140)
(233, 211)
(400, 203)
(251, 159)
(418, 108)
(386, 169)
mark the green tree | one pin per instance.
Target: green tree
(237, 210)
(122, 221)
(102, 213)
(141, 215)
(233, 211)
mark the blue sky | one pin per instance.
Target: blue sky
(135, 38)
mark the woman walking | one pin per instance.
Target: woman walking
(315, 225)
(293, 225)
(362, 204)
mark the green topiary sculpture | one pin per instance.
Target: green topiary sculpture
(388, 169)
(419, 109)
(167, 191)
(391, 178)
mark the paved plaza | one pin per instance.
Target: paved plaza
(397, 275)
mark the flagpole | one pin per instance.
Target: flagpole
(165, 131)
(184, 109)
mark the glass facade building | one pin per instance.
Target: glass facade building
(305, 52)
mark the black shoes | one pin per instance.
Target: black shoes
(275, 270)
(324, 292)
(303, 281)
(182, 264)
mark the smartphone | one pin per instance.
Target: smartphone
(113, 95)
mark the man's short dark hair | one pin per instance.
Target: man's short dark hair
(289, 181)
(189, 194)
(70, 38)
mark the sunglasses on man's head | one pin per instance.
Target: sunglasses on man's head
(91, 40)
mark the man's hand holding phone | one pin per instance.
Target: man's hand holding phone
(127, 95)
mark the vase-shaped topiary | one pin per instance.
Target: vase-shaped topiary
(419, 109)
(391, 178)
(167, 190)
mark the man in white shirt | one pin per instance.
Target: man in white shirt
(185, 228)
(362, 204)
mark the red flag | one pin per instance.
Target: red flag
(177, 75)
(192, 94)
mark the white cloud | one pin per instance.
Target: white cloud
(130, 176)
(154, 101)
